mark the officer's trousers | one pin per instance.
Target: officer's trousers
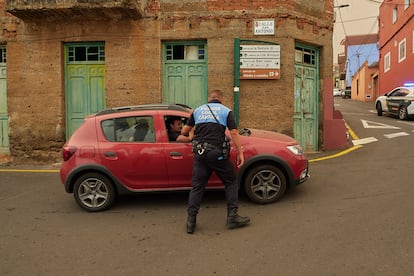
(203, 166)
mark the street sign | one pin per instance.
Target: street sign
(269, 74)
(264, 27)
(259, 61)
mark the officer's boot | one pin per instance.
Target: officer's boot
(191, 224)
(234, 220)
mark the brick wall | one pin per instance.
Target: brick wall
(134, 67)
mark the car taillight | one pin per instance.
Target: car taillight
(67, 152)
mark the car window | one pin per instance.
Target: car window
(403, 92)
(394, 93)
(171, 120)
(129, 129)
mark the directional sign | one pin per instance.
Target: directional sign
(261, 55)
(259, 48)
(260, 61)
(271, 74)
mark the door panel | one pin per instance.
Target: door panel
(4, 122)
(138, 165)
(305, 116)
(77, 100)
(84, 82)
(175, 84)
(196, 84)
(85, 93)
(185, 84)
(185, 73)
(96, 86)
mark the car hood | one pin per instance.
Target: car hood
(268, 135)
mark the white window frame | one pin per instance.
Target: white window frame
(394, 14)
(407, 3)
(402, 50)
(387, 62)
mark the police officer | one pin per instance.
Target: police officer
(210, 154)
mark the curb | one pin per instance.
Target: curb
(353, 135)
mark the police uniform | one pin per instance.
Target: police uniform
(210, 122)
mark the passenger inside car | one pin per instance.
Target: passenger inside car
(142, 132)
(174, 125)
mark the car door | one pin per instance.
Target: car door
(393, 101)
(134, 159)
(179, 160)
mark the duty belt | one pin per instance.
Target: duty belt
(201, 148)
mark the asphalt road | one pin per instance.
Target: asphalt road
(353, 217)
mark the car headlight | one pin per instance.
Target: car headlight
(296, 149)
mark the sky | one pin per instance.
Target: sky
(361, 17)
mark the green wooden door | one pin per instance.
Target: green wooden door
(306, 97)
(185, 73)
(85, 83)
(4, 122)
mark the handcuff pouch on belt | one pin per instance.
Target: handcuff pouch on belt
(201, 148)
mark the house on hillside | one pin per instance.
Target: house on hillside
(67, 59)
(396, 44)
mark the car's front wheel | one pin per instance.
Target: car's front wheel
(94, 192)
(265, 184)
(379, 109)
(402, 113)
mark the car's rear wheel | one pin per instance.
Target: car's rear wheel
(402, 113)
(94, 192)
(379, 109)
(265, 184)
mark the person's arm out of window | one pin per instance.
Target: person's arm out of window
(187, 134)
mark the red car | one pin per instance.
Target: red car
(126, 149)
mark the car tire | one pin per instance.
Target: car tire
(379, 109)
(265, 184)
(402, 113)
(94, 192)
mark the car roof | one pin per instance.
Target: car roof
(177, 107)
(411, 88)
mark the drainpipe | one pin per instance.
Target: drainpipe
(236, 86)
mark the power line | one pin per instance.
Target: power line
(376, 1)
(358, 19)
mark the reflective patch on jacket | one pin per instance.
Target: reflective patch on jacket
(203, 114)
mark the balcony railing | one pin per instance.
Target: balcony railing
(82, 9)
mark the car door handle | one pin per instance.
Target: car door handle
(110, 154)
(176, 155)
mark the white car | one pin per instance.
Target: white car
(399, 101)
(336, 92)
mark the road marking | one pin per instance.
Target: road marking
(370, 124)
(335, 155)
(364, 141)
(398, 134)
(407, 123)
